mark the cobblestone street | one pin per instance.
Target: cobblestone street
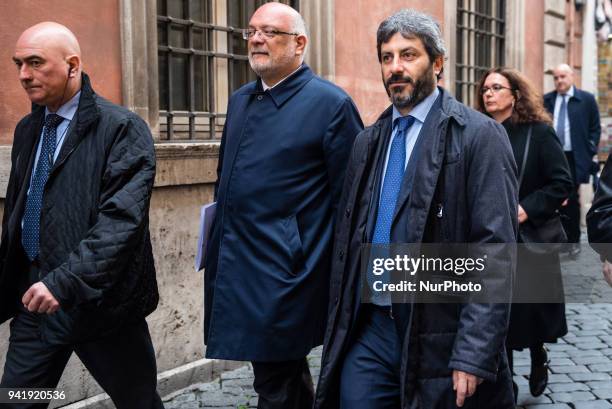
(580, 364)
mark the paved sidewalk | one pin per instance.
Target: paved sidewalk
(581, 363)
(234, 390)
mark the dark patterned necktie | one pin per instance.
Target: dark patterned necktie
(392, 183)
(31, 218)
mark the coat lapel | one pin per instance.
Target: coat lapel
(378, 160)
(422, 150)
(24, 166)
(87, 114)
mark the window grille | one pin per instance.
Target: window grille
(481, 26)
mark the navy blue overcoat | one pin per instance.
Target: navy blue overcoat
(281, 169)
(585, 129)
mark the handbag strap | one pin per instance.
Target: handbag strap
(525, 154)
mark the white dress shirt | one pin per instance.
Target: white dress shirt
(567, 144)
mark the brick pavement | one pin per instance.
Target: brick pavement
(581, 362)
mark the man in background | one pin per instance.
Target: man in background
(576, 121)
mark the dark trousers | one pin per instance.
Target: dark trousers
(283, 385)
(571, 213)
(370, 377)
(123, 363)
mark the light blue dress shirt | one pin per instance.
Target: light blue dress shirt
(419, 112)
(567, 138)
(66, 111)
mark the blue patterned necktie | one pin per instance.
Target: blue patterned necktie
(392, 184)
(561, 121)
(31, 218)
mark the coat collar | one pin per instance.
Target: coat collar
(552, 96)
(87, 113)
(286, 89)
(450, 108)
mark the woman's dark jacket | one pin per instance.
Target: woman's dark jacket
(547, 182)
(472, 154)
(599, 218)
(95, 250)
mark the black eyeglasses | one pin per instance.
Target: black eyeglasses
(268, 33)
(495, 88)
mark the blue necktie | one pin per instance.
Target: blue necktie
(392, 184)
(31, 218)
(561, 121)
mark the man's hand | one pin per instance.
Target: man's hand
(39, 299)
(607, 272)
(522, 215)
(465, 385)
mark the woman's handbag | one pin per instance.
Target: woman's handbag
(548, 237)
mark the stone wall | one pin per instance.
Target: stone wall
(185, 177)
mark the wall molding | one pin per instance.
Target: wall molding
(321, 53)
(515, 34)
(140, 77)
(178, 164)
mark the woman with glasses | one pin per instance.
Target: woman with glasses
(507, 96)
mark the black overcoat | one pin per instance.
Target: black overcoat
(95, 250)
(546, 184)
(599, 217)
(585, 129)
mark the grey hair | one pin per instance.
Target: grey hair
(410, 24)
(298, 25)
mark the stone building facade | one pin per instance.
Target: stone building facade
(175, 63)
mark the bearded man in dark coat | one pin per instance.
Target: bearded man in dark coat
(430, 170)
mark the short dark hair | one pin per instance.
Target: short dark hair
(410, 24)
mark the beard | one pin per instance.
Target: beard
(423, 86)
(273, 64)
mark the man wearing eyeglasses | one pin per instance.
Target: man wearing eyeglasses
(285, 145)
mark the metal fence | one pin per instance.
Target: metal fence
(481, 26)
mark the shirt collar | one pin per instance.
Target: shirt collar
(68, 110)
(569, 93)
(267, 87)
(420, 111)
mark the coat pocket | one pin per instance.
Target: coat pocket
(294, 241)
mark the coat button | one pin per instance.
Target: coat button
(336, 300)
(259, 97)
(341, 255)
(347, 212)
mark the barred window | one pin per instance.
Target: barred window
(481, 26)
(202, 60)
